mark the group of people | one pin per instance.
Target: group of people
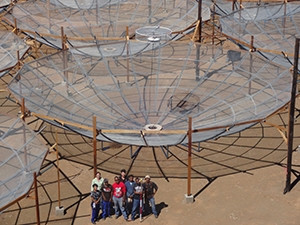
(128, 194)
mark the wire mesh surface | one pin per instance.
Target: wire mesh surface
(221, 89)
(259, 146)
(86, 21)
(4, 3)
(21, 154)
(274, 28)
(10, 44)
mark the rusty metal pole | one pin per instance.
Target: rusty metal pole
(95, 144)
(189, 192)
(37, 206)
(291, 118)
(200, 19)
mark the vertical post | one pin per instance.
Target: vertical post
(57, 164)
(37, 207)
(251, 63)
(23, 111)
(197, 69)
(233, 2)
(213, 22)
(189, 192)
(95, 144)
(16, 26)
(200, 19)
(65, 59)
(48, 11)
(127, 49)
(291, 118)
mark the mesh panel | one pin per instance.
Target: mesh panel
(21, 155)
(85, 21)
(10, 44)
(217, 87)
(274, 28)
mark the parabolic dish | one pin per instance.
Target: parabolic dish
(21, 154)
(90, 21)
(223, 90)
(274, 28)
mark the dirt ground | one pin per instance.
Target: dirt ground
(254, 198)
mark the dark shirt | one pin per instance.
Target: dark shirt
(96, 195)
(149, 189)
(106, 192)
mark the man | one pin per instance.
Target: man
(150, 189)
(97, 180)
(106, 191)
(129, 193)
(137, 198)
(119, 195)
(123, 176)
(95, 204)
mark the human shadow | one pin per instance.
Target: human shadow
(159, 207)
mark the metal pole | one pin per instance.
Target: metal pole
(95, 144)
(37, 209)
(189, 192)
(57, 163)
(291, 118)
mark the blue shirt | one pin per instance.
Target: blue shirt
(129, 188)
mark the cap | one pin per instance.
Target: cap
(105, 180)
(147, 176)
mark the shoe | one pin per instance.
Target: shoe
(128, 220)
(156, 216)
(117, 217)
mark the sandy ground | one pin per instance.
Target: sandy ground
(247, 199)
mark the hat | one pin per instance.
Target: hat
(105, 180)
(147, 176)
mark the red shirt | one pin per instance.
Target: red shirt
(119, 189)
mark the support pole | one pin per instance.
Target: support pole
(57, 164)
(127, 51)
(200, 19)
(37, 207)
(189, 192)
(291, 118)
(23, 112)
(189, 198)
(95, 144)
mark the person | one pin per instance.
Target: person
(97, 180)
(123, 176)
(119, 195)
(137, 205)
(150, 189)
(129, 193)
(95, 204)
(106, 191)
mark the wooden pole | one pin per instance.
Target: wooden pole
(189, 192)
(23, 111)
(57, 164)
(127, 49)
(95, 144)
(16, 26)
(213, 23)
(200, 20)
(291, 118)
(37, 207)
